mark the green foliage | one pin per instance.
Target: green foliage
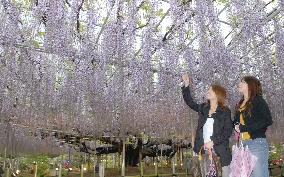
(82, 27)
(104, 21)
(35, 43)
(273, 58)
(139, 23)
(41, 34)
(188, 33)
(276, 152)
(23, 3)
(23, 165)
(58, 82)
(234, 21)
(64, 172)
(146, 6)
(42, 164)
(188, 153)
(27, 3)
(69, 65)
(160, 13)
(222, 1)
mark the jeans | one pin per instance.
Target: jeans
(259, 148)
(226, 171)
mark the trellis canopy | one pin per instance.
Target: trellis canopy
(91, 67)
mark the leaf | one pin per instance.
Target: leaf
(273, 58)
(82, 27)
(139, 23)
(187, 33)
(35, 43)
(222, 1)
(104, 20)
(146, 6)
(234, 21)
(69, 65)
(41, 33)
(160, 13)
(27, 3)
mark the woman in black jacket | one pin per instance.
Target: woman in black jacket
(214, 124)
(252, 119)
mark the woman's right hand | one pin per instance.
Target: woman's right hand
(185, 79)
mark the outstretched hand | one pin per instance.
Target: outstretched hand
(185, 79)
(209, 145)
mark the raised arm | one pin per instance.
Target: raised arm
(187, 95)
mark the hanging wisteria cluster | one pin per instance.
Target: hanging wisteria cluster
(94, 67)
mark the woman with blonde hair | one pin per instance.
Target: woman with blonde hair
(214, 124)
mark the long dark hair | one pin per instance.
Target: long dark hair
(254, 89)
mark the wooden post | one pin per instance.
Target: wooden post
(192, 132)
(173, 167)
(119, 160)
(69, 154)
(113, 160)
(7, 172)
(106, 160)
(99, 157)
(35, 175)
(5, 158)
(141, 163)
(82, 170)
(60, 167)
(174, 164)
(123, 159)
(181, 157)
(89, 162)
(60, 170)
(95, 164)
(161, 156)
(95, 159)
(156, 167)
(101, 170)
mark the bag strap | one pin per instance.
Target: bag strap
(213, 171)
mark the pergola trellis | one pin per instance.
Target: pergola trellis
(133, 69)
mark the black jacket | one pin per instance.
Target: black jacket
(222, 127)
(257, 118)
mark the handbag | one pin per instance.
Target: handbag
(205, 165)
(212, 172)
(208, 164)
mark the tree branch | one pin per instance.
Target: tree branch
(78, 15)
(104, 24)
(269, 17)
